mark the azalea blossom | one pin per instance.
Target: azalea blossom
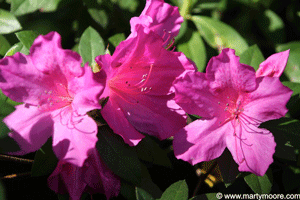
(139, 77)
(93, 177)
(57, 93)
(232, 102)
(160, 17)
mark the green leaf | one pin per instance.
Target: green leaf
(19, 47)
(50, 6)
(130, 5)
(21, 7)
(294, 103)
(260, 184)
(4, 45)
(2, 192)
(177, 191)
(148, 150)
(100, 16)
(252, 56)
(290, 178)
(272, 26)
(116, 39)
(287, 136)
(194, 49)
(142, 194)
(27, 38)
(119, 157)
(91, 45)
(207, 196)
(8, 22)
(45, 160)
(219, 35)
(292, 69)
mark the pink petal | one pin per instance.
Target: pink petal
(164, 19)
(87, 89)
(30, 127)
(193, 94)
(153, 116)
(201, 140)
(67, 178)
(225, 71)
(274, 65)
(115, 118)
(252, 148)
(74, 136)
(100, 178)
(268, 101)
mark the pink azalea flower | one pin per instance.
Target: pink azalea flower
(93, 177)
(233, 103)
(139, 77)
(160, 17)
(274, 65)
(57, 92)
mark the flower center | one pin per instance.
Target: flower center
(131, 83)
(54, 99)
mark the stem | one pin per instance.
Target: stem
(15, 175)
(12, 158)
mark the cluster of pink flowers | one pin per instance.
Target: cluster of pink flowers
(142, 81)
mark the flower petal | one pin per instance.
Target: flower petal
(30, 127)
(225, 71)
(79, 136)
(201, 140)
(67, 178)
(165, 21)
(252, 148)
(193, 94)
(100, 178)
(274, 65)
(268, 101)
(117, 121)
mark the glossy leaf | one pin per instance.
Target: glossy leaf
(294, 103)
(219, 35)
(91, 45)
(116, 39)
(119, 157)
(44, 161)
(194, 49)
(177, 191)
(21, 7)
(8, 22)
(4, 45)
(142, 194)
(148, 150)
(18, 47)
(252, 56)
(292, 70)
(26, 38)
(260, 184)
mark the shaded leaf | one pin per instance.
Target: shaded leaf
(292, 70)
(18, 47)
(294, 103)
(26, 38)
(207, 196)
(148, 150)
(45, 160)
(228, 167)
(290, 178)
(219, 35)
(177, 191)
(99, 16)
(90, 45)
(118, 156)
(21, 7)
(4, 45)
(194, 49)
(116, 39)
(8, 22)
(260, 184)
(252, 56)
(2, 192)
(142, 194)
